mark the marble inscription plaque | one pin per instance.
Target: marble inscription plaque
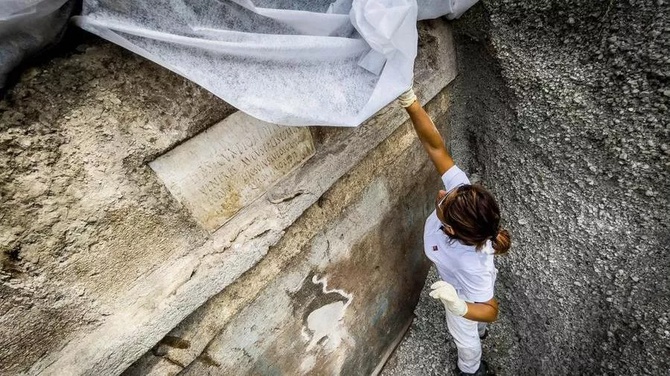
(231, 164)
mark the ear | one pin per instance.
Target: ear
(449, 230)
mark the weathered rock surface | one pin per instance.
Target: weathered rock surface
(82, 215)
(563, 107)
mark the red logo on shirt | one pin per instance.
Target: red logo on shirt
(434, 248)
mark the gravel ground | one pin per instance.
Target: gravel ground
(562, 110)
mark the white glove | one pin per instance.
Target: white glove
(407, 98)
(446, 293)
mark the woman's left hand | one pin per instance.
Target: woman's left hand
(446, 293)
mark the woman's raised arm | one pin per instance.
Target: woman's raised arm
(428, 134)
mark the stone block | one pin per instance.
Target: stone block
(342, 151)
(231, 164)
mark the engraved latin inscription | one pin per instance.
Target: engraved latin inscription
(218, 172)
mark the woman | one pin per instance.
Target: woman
(460, 238)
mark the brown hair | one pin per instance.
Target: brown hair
(474, 215)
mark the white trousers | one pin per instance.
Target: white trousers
(466, 335)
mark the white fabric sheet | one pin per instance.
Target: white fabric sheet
(291, 62)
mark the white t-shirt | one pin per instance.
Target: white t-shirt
(471, 272)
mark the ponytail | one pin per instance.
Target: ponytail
(502, 242)
(474, 217)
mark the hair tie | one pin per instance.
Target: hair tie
(495, 236)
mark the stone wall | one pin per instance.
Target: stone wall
(109, 260)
